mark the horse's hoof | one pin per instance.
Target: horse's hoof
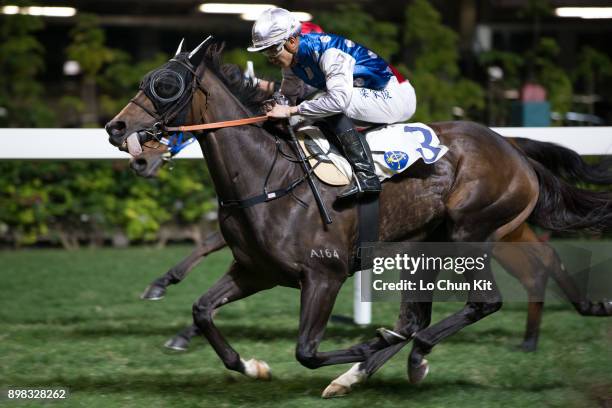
(418, 374)
(529, 346)
(259, 370)
(335, 390)
(343, 384)
(153, 292)
(177, 343)
(607, 305)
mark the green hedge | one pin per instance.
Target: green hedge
(69, 201)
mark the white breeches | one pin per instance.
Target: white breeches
(395, 103)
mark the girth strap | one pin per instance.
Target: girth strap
(368, 232)
(261, 198)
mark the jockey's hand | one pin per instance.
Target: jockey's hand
(282, 111)
(268, 105)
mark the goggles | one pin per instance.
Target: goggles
(274, 51)
(166, 85)
(169, 88)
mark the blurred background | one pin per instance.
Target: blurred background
(70, 318)
(77, 63)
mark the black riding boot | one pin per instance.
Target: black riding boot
(357, 152)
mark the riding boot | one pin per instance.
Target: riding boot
(357, 152)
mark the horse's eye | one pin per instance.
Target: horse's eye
(167, 85)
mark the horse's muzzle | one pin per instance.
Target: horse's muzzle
(146, 166)
(116, 132)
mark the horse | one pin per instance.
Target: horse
(482, 190)
(532, 270)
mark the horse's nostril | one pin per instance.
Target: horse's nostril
(139, 165)
(115, 129)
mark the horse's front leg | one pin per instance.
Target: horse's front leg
(157, 289)
(480, 303)
(414, 316)
(318, 296)
(317, 301)
(236, 284)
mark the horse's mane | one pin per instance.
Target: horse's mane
(232, 76)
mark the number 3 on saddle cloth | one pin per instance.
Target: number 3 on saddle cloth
(394, 148)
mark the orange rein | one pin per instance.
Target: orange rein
(217, 125)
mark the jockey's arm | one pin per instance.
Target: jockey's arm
(338, 69)
(291, 86)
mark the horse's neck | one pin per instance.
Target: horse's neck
(238, 158)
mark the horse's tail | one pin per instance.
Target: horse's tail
(565, 162)
(563, 207)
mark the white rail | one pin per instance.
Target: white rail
(93, 143)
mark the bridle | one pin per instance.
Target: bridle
(175, 110)
(168, 108)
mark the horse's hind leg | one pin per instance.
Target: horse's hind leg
(414, 316)
(532, 264)
(589, 308)
(181, 341)
(480, 303)
(533, 276)
(582, 305)
(157, 289)
(317, 300)
(482, 207)
(522, 255)
(236, 284)
(532, 329)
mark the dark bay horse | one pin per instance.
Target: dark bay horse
(531, 269)
(482, 190)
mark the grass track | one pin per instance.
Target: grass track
(73, 319)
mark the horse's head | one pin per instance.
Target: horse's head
(163, 99)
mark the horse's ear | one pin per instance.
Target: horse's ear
(195, 55)
(180, 47)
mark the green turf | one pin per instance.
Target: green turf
(74, 320)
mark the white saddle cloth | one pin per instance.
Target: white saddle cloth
(394, 148)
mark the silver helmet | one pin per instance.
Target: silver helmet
(273, 26)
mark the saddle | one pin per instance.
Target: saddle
(394, 148)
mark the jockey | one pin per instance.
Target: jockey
(358, 84)
(269, 86)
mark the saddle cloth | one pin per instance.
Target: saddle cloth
(394, 148)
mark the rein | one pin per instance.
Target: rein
(177, 141)
(216, 125)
